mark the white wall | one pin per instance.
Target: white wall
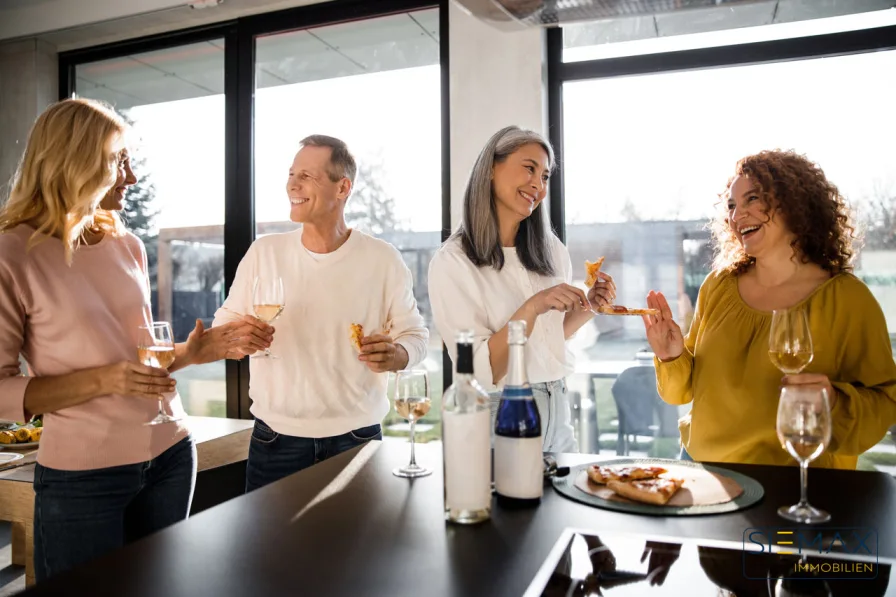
(497, 79)
(29, 76)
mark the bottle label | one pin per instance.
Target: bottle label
(519, 467)
(467, 452)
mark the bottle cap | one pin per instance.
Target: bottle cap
(464, 337)
(516, 332)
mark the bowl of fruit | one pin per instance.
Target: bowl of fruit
(21, 436)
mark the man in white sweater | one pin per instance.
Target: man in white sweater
(323, 395)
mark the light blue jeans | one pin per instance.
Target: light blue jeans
(553, 407)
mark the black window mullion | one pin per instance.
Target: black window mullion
(555, 127)
(239, 206)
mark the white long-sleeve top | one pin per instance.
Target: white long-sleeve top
(483, 299)
(318, 387)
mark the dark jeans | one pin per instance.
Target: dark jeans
(81, 515)
(273, 456)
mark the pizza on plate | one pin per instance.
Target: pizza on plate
(591, 270)
(605, 474)
(357, 332)
(650, 491)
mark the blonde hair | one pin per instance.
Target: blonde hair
(65, 172)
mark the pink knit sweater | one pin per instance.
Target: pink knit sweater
(64, 318)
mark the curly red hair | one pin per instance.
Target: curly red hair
(811, 206)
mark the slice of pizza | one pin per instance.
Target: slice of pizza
(357, 332)
(591, 270)
(620, 310)
(605, 474)
(650, 491)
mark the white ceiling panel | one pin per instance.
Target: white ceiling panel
(429, 20)
(183, 72)
(712, 19)
(299, 56)
(799, 10)
(195, 70)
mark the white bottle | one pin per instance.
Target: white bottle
(466, 442)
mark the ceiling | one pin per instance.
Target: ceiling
(375, 45)
(732, 16)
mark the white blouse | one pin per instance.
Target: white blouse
(464, 296)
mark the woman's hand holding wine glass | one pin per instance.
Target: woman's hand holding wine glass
(155, 348)
(128, 378)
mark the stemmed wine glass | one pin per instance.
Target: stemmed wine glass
(790, 341)
(268, 304)
(155, 348)
(804, 429)
(412, 402)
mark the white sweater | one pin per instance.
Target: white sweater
(482, 299)
(318, 387)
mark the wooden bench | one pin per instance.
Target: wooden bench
(219, 443)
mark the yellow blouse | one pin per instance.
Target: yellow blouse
(726, 371)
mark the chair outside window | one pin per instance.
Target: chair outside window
(640, 409)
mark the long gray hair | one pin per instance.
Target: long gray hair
(479, 232)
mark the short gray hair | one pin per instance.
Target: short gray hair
(342, 161)
(479, 233)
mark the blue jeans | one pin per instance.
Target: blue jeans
(557, 432)
(81, 515)
(684, 455)
(273, 456)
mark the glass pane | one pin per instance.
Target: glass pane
(174, 99)
(642, 177)
(719, 26)
(375, 85)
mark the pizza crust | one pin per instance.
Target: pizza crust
(356, 333)
(649, 491)
(591, 270)
(604, 474)
(620, 310)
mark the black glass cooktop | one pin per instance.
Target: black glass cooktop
(781, 562)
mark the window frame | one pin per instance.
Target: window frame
(799, 48)
(239, 91)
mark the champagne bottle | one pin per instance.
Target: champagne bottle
(466, 442)
(519, 465)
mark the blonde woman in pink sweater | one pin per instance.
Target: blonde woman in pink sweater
(73, 291)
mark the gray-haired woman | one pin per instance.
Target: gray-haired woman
(504, 264)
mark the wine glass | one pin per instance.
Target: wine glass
(155, 348)
(267, 303)
(790, 341)
(804, 429)
(412, 402)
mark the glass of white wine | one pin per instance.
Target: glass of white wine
(804, 429)
(268, 304)
(790, 341)
(412, 401)
(155, 348)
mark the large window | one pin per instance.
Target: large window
(174, 99)
(645, 158)
(217, 114)
(375, 85)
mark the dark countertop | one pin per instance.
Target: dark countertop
(347, 526)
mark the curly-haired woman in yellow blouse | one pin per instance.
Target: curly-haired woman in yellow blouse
(785, 241)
